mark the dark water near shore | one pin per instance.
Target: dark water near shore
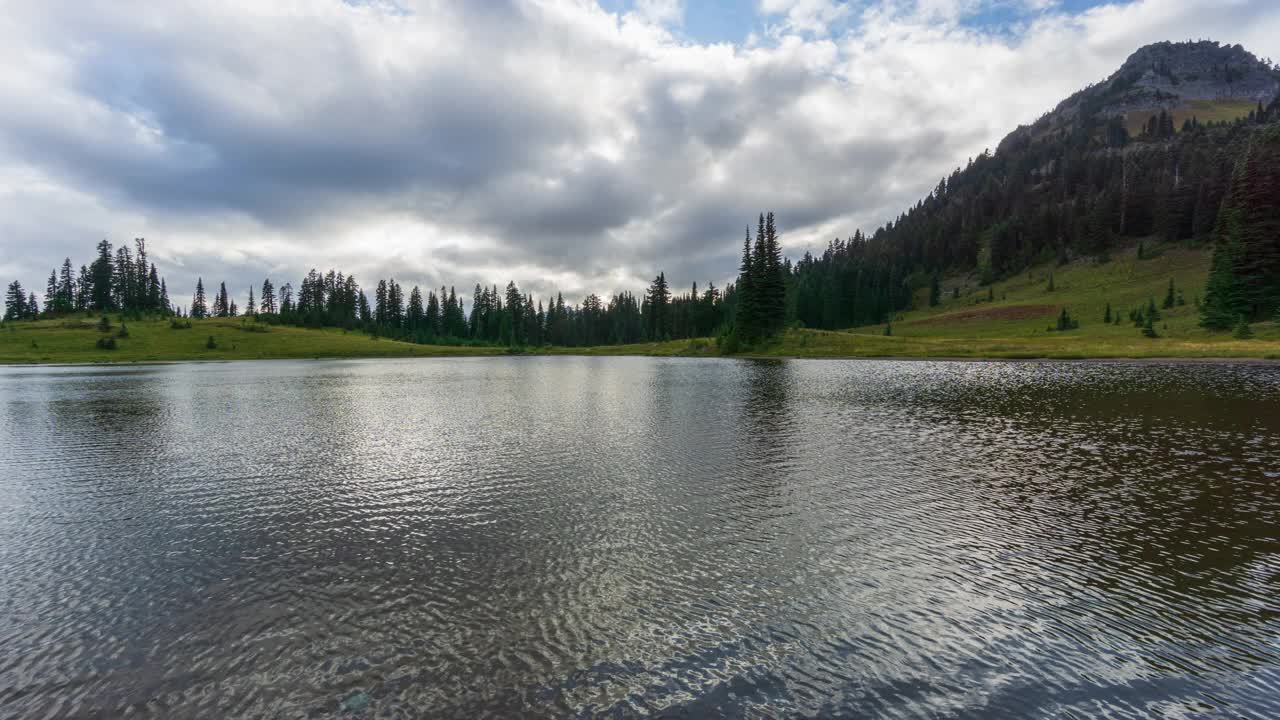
(582, 537)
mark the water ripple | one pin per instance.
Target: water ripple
(618, 537)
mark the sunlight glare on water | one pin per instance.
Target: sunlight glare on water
(582, 537)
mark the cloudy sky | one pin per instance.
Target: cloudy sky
(570, 145)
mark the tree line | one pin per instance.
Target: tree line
(120, 281)
(124, 281)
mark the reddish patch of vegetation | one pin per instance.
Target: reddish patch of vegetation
(1006, 312)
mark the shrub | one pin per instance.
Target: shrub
(1242, 330)
(124, 331)
(179, 324)
(211, 344)
(728, 343)
(106, 343)
(1065, 322)
(104, 325)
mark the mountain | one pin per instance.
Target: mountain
(1150, 152)
(1203, 80)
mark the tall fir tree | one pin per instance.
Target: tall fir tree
(268, 299)
(15, 302)
(746, 314)
(66, 288)
(102, 273)
(199, 305)
(657, 301)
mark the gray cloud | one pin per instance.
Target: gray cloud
(545, 141)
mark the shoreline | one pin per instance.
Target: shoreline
(1153, 359)
(50, 343)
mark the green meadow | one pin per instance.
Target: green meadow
(1203, 111)
(1010, 319)
(74, 340)
(1013, 318)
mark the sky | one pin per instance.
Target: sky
(572, 146)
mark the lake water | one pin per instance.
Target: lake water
(584, 537)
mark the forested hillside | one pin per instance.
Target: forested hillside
(1077, 183)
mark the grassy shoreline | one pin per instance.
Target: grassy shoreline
(50, 342)
(1008, 320)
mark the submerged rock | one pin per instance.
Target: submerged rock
(356, 702)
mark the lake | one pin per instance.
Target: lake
(586, 537)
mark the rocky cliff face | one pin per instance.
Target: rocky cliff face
(1167, 75)
(1204, 79)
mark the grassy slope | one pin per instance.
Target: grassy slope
(1015, 324)
(73, 341)
(1205, 111)
(1012, 326)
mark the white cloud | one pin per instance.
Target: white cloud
(810, 16)
(662, 12)
(545, 141)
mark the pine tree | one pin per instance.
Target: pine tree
(1106, 319)
(51, 293)
(456, 323)
(83, 290)
(1066, 322)
(15, 302)
(415, 316)
(746, 320)
(1223, 294)
(155, 291)
(512, 332)
(142, 280)
(222, 305)
(1255, 199)
(380, 304)
(395, 304)
(1169, 298)
(287, 306)
(774, 287)
(125, 280)
(33, 307)
(66, 288)
(102, 276)
(268, 304)
(199, 308)
(657, 301)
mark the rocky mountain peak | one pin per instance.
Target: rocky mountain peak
(1168, 74)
